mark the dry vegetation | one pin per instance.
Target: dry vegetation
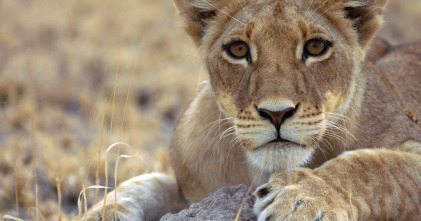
(60, 62)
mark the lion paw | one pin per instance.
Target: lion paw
(299, 195)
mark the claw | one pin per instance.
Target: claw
(297, 204)
(319, 217)
(262, 192)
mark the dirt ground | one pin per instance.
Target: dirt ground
(77, 76)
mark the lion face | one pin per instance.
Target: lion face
(285, 71)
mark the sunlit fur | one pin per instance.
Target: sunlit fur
(324, 87)
(343, 103)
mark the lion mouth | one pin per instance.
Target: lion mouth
(280, 143)
(280, 140)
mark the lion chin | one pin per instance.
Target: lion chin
(275, 156)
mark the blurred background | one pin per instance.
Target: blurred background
(77, 76)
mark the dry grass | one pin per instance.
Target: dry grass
(66, 70)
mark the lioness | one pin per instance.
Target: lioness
(291, 96)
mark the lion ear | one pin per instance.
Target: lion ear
(196, 15)
(367, 16)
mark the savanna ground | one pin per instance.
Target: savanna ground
(77, 76)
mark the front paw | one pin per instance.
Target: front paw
(300, 195)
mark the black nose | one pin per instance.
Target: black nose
(277, 117)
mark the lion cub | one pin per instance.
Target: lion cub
(291, 98)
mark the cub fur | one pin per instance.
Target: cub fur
(331, 135)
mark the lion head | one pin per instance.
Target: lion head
(286, 71)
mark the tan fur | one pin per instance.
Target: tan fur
(366, 107)
(344, 102)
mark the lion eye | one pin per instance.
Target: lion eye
(238, 50)
(316, 47)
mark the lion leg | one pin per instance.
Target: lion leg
(145, 197)
(370, 184)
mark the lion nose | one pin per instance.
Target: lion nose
(277, 117)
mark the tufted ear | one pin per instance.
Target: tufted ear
(367, 17)
(197, 14)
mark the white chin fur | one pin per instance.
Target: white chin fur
(286, 157)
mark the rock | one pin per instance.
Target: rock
(220, 205)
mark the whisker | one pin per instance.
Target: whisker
(321, 149)
(340, 128)
(218, 136)
(214, 124)
(336, 137)
(341, 117)
(218, 121)
(315, 10)
(226, 135)
(346, 120)
(238, 145)
(208, 2)
(315, 19)
(247, 12)
(311, 3)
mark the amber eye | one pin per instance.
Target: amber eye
(316, 47)
(237, 50)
